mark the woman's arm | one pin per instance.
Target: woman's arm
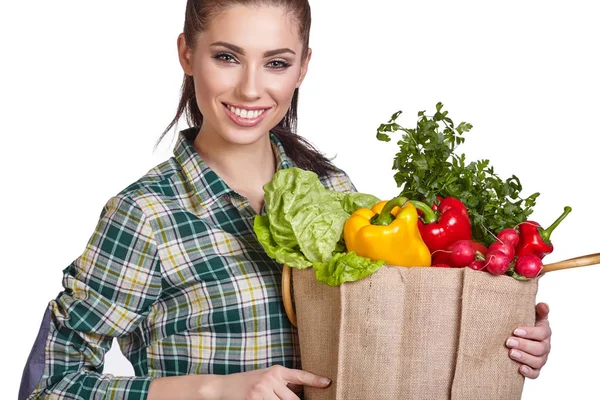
(108, 291)
(188, 387)
(276, 382)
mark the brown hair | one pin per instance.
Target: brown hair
(198, 13)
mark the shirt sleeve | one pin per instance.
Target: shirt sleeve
(108, 292)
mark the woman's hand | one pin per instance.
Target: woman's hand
(272, 383)
(531, 345)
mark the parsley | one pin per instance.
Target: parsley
(427, 166)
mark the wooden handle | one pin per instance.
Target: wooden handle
(582, 261)
(286, 293)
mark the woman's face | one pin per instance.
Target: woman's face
(246, 66)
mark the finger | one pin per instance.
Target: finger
(263, 391)
(541, 311)
(539, 332)
(533, 347)
(271, 396)
(300, 377)
(524, 358)
(528, 372)
(284, 393)
(295, 388)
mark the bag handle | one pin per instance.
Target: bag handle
(286, 279)
(581, 261)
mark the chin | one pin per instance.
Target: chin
(245, 136)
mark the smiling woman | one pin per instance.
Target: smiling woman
(243, 66)
(174, 269)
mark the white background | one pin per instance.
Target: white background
(87, 87)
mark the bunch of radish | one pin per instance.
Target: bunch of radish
(498, 259)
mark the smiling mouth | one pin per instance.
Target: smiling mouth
(246, 113)
(246, 117)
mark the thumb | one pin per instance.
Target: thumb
(541, 312)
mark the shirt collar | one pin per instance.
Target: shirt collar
(283, 161)
(209, 186)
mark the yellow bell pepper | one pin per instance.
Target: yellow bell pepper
(389, 232)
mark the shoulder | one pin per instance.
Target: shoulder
(338, 180)
(157, 185)
(161, 178)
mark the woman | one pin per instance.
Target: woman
(173, 269)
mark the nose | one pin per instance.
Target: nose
(249, 86)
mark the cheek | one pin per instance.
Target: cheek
(282, 88)
(210, 82)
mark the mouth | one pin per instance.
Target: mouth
(247, 116)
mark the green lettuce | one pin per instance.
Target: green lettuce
(304, 215)
(345, 267)
(304, 225)
(353, 201)
(283, 255)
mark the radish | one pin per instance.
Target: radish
(477, 265)
(462, 252)
(510, 236)
(439, 265)
(528, 265)
(497, 262)
(440, 257)
(480, 247)
(505, 247)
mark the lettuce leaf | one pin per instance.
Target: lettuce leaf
(345, 267)
(353, 201)
(303, 214)
(304, 225)
(283, 255)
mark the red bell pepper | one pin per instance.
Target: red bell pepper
(535, 240)
(444, 226)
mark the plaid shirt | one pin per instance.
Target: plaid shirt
(173, 271)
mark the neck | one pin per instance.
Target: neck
(244, 167)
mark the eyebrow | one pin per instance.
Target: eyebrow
(239, 50)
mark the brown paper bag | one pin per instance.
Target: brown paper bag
(413, 333)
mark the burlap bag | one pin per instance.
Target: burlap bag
(413, 333)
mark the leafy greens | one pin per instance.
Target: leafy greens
(427, 166)
(304, 223)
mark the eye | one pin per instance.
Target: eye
(225, 57)
(278, 64)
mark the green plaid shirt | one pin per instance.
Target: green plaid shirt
(173, 271)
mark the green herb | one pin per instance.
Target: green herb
(427, 166)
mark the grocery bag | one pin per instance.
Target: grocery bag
(413, 333)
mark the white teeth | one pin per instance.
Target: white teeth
(248, 114)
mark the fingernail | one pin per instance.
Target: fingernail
(515, 353)
(524, 370)
(511, 343)
(520, 332)
(325, 381)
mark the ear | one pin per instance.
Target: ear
(185, 55)
(304, 68)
